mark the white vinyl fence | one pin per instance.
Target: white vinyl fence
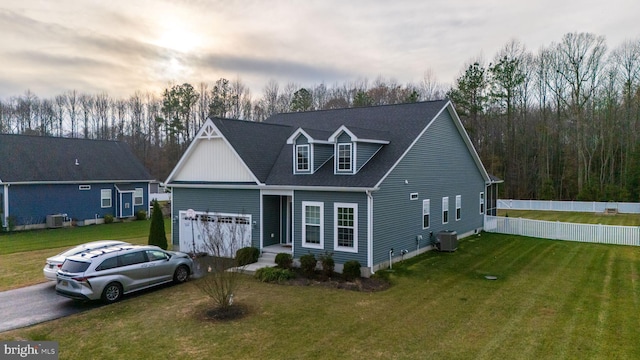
(604, 234)
(578, 206)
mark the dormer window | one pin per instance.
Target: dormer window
(302, 157)
(345, 162)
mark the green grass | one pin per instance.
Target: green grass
(574, 217)
(24, 253)
(552, 300)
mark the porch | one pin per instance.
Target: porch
(266, 259)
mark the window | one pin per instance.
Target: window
(302, 157)
(313, 225)
(345, 227)
(426, 210)
(481, 203)
(445, 210)
(344, 157)
(413, 196)
(137, 196)
(133, 258)
(84, 187)
(155, 255)
(108, 264)
(105, 198)
(458, 207)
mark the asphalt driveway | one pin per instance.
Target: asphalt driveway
(35, 304)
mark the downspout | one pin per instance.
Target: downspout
(5, 211)
(370, 231)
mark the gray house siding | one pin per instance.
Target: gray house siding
(322, 153)
(438, 165)
(364, 152)
(217, 200)
(329, 199)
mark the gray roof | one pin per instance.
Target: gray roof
(52, 159)
(262, 146)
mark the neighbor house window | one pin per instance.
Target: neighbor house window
(137, 196)
(313, 224)
(345, 227)
(344, 157)
(105, 198)
(302, 157)
(481, 203)
(458, 207)
(445, 210)
(426, 211)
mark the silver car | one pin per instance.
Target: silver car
(111, 272)
(54, 263)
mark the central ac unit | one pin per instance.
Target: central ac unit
(447, 241)
(55, 221)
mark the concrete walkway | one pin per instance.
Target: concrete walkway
(266, 259)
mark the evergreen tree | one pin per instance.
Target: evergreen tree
(157, 236)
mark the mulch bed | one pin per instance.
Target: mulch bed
(337, 282)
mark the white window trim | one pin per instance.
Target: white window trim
(84, 187)
(482, 203)
(445, 209)
(354, 206)
(426, 210)
(413, 196)
(304, 225)
(309, 158)
(458, 207)
(141, 197)
(102, 197)
(351, 158)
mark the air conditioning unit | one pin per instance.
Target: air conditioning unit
(55, 221)
(447, 241)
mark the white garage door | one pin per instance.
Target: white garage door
(214, 233)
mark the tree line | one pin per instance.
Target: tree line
(559, 123)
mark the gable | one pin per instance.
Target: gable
(210, 158)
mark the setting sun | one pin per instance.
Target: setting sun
(178, 37)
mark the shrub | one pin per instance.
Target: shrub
(247, 255)
(271, 274)
(141, 215)
(157, 235)
(351, 270)
(108, 218)
(308, 264)
(328, 264)
(284, 260)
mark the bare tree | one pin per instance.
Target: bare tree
(222, 236)
(86, 106)
(72, 110)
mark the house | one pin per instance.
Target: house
(369, 184)
(50, 181)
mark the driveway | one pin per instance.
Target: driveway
(35, 304)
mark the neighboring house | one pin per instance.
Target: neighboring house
(60, 180)
(359, 183)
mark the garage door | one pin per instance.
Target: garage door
(214, 233)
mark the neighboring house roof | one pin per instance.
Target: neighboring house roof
(51, 159)
(263, 146)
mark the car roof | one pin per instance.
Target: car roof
(93, 254)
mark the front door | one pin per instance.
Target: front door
(126, 204)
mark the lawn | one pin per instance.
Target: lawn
(26, 251)
(574, 217)
(552, 300)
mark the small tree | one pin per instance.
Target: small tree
(157, 236)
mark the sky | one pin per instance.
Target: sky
(122, 46)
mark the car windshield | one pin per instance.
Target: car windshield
(73, 266)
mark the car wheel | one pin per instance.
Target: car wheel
(181, 274)
(112, 293)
